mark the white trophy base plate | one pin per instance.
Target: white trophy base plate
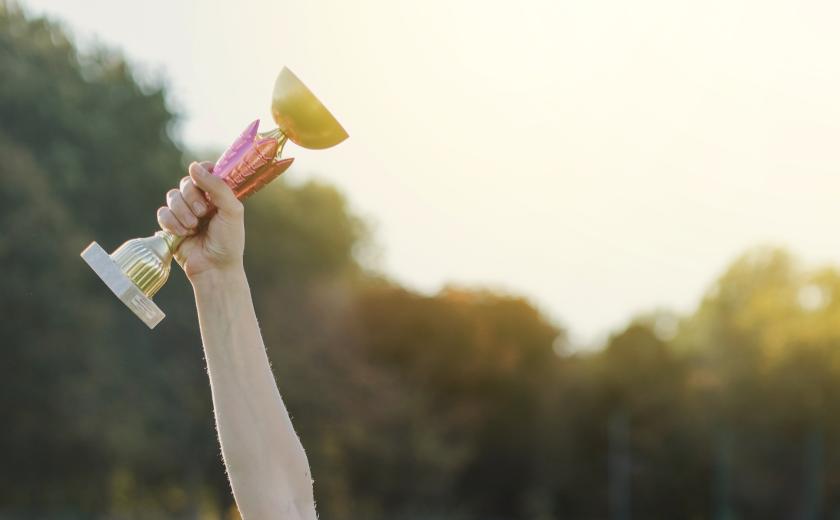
(110, 273)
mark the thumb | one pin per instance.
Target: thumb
(220, 194)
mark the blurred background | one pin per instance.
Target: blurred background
(577, 260)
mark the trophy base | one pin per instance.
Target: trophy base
(128, 293)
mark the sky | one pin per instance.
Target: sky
(602, 158)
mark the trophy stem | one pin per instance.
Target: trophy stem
(277, 135)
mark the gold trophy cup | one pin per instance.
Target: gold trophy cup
(136, 270)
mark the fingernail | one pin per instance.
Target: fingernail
(199, 208)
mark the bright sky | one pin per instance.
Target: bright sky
(601, 157)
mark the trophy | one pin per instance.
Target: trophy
(136, 270)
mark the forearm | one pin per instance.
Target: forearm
(266, 464)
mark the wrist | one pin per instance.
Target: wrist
(218, 278)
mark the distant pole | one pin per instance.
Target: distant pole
(619, 467)
(812, 492)
(721, 492)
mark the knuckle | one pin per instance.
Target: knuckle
(183, 212)
(187, 218)
(191, 194)
(166, 222)
(189, 190)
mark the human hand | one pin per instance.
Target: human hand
(210, 247)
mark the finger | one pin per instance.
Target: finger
(194, 197)
(179, 207)
(168, 222)
(220, 194)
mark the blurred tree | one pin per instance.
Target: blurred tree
(64, 152)
(764, 349)
(474, 366)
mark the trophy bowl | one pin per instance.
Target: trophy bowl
(301, 117)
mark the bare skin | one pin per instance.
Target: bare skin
(266, 464)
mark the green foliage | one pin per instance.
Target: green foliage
(446, 406)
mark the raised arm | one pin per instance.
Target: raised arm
(266, 464)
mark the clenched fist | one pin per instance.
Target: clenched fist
(212, 246)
